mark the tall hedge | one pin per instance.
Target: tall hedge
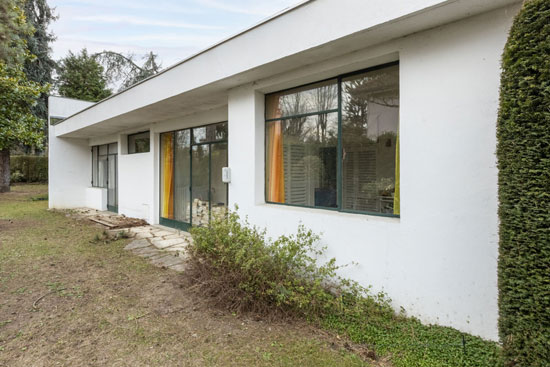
(28, 168)
(523, 152)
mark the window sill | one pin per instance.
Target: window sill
(389, 218)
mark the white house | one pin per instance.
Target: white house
(372, 122)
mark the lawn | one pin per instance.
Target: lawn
(67, 301)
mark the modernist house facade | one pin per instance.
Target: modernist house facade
(371, 122)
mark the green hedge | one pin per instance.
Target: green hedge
(524, 189)
(28, 168)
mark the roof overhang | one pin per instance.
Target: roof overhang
(311, 32)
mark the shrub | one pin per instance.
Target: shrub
(242, 270)
(29, 168)
(523, 152)
(240, 267)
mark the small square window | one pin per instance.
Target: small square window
(139, 143)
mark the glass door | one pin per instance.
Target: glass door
(112, 178)
(191, 165)
(201, 183)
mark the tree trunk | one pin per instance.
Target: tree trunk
(5, 170)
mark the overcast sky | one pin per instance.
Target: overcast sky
(173, 29)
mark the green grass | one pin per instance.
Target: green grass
(104, 306)
(407, 342)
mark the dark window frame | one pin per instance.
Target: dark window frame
(172, 222)
(338, 79)
(97, 161)
(134, 134)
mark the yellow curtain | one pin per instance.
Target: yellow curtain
(397, 194)
(276, 187)
(167, 175)
(276, 173)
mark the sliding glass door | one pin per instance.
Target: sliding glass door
(191, 188)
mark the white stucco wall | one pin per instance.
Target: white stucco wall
(439, 260)
(69, 160)
(96, 198)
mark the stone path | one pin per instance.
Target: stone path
(163, 246)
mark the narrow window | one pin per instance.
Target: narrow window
(94, 166)
(167, 175)
(139, 143)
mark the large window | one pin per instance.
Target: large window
(335, 144)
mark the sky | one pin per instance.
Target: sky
(170, 28)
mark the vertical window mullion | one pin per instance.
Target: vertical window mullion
(340, 155)
(174, 175)
(191, 137)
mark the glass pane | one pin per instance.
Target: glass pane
(138, 143)
(301, 160)
(201, 184)
(102, 171)
(218, 189)
(312, 98)
(182, 177)
(210, 133)
(167, 175)
(370, 126)
(55, 120)
(94, 166)
(112, 199)
(113, 148)
(103, 150)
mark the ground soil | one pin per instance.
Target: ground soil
(67, 301)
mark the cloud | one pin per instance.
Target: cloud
(121, 19)
(169, 39)
(249, 7)
(168, 55)
(166, 6)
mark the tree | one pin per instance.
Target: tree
(523, 152)
(80, 76)
(18, 95)
(13, 31)
(122, 70)
(39, 15)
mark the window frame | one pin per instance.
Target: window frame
(134, 134)
(97, 161)
(173, 222)
(339, 165)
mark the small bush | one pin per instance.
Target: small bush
(241, 268)
(28, 168)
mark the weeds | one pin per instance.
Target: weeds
(106, 237)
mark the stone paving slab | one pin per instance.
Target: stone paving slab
(161, 243)
(135, 244)
(162, 246)
(167, 260)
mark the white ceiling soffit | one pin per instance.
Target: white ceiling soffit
(287, 41)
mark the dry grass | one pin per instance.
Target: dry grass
(65, 301)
